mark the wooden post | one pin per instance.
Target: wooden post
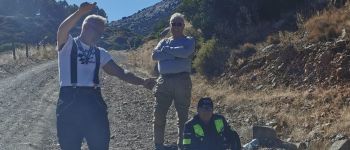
(14, 51)
(27, 50)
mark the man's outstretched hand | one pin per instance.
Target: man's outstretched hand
(87, 7)
(149, 83)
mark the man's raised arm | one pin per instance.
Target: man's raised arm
(70, 22)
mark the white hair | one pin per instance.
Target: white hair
(95, 18)
(177, 15)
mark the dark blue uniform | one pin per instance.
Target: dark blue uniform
(216, 135)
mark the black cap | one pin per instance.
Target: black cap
(206, 103)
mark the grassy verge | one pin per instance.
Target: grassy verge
(9, 65)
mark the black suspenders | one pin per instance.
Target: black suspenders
(97, 67)
(74, 65)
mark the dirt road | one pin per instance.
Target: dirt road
(28, 102)
(27, 106)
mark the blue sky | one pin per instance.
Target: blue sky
(116, 9)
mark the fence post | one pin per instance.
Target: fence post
(14, 51)
(27, 50)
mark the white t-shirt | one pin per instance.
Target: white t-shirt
(85, 71)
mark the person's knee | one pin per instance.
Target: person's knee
(159, 122)
(160, 111)
(98, 140)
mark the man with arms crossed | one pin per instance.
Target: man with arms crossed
(174, 57)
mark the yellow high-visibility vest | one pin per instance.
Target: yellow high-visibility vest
(198, 130)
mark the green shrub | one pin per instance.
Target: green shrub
(211, 59)
(234, 21)
(273, 39)
(247, 50)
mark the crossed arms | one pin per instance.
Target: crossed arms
(164, 52)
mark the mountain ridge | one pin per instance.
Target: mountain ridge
(145, 19)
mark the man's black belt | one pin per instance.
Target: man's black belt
(169, 75)
(82, 87)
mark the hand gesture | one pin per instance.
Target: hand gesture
(149, 83)
(87, 7)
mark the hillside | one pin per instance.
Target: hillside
(143, 22)
(33, 21)
(130, 32)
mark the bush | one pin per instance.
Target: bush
(273, 39)
(247, 50)
(328, 25)
(236, 22)
(211, 59)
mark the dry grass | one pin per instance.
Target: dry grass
(314, 115)
(328, 25)
(141, 57)
(273, 39)
(42, 54)
(10, 66)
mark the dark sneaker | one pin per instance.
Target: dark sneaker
(180, 146)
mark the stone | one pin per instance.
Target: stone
(339, 137)
(309, 47)
(267, 136)
(259, 87)
(340, 73)
(301, 146)
(289, 146)
(340, 46)
(341, 145)
(268, 48)
(343, 34)
(261, 132)
(272, 123)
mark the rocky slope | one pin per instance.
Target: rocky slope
(144, 20)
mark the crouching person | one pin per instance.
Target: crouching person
(208, 131)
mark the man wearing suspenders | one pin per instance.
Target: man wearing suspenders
(81, 111)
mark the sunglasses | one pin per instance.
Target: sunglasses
(176, 24)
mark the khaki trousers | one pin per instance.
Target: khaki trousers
(175, 88)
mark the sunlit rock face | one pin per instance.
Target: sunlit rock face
(144, 20)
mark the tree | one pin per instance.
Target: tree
(225, 19)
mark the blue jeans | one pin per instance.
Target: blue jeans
(82, 113)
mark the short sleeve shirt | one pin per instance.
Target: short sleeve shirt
(86, 63)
